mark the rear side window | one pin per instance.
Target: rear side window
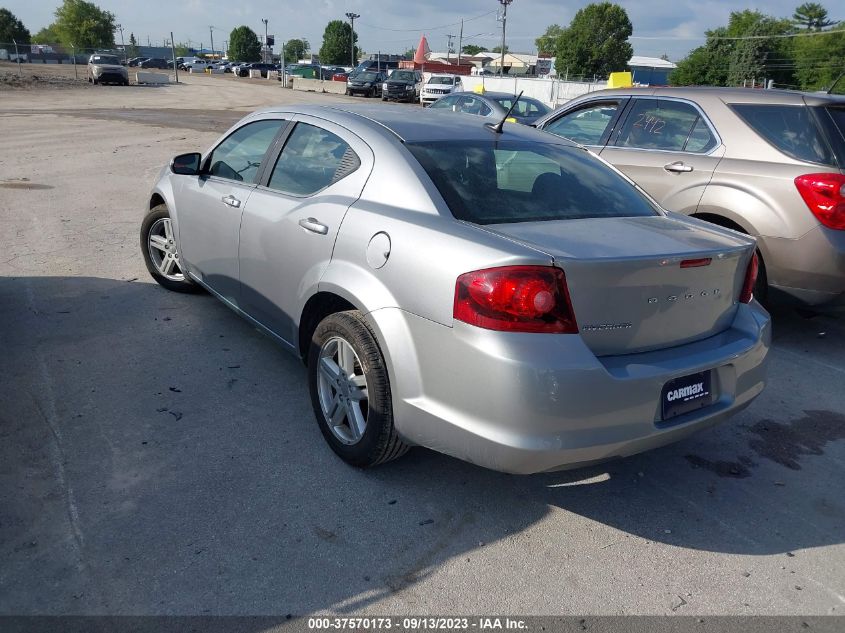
(791, 129)
(491, 182)
(671, 126)
(312, 159)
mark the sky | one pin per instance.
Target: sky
(392, 26)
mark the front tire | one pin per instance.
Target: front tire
(161, 256)
(350, 391)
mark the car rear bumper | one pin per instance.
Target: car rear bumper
(810, 269)
(527, 403)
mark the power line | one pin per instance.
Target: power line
(426, 29)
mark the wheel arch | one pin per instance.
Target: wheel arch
(317, 308)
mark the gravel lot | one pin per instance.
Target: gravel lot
(159, 456)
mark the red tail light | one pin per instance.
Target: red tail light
(747, 293)
(516, 299)
(825, 196)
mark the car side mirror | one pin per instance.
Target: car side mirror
(186, 164)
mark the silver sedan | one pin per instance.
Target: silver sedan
(497, 294)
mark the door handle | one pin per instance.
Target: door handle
(231, 200)
(678, 167)
(313, 225)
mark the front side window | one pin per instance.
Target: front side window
(240, 155)
(586, 125)
(790, 129)
(660, 124)
(491, 182)
(311, 160)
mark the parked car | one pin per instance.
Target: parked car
(402, 85)
(103, 69)
(135, 61)
(341, 76)
(153, 62)
(194, 64)
(524, 306)
(366, 83)
(764, 162)
(243, 69)
(437, 86)
(494, 105)
(327, 72)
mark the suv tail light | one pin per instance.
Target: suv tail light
(516, 299)
(825, 196)
(747, 293)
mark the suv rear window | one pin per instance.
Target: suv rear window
(487, 182)
(791, 129)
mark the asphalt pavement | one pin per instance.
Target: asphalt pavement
(160, 456)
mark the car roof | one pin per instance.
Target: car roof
(727, 95)
(425, 125)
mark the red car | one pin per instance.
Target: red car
(340, 76)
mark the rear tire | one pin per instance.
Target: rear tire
(161, 256)
(350, 391)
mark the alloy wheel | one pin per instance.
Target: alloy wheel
(162, 249)
(342, 390)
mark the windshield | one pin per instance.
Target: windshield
(105, 59)
(366, 76)
(524, 107)
(489, 182)
(402, 75)
(441, 80)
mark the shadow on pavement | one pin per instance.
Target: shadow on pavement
(160, 456)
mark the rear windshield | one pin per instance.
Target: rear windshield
(489, 182)
(791, 129)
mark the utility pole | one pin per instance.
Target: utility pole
(504, 4)
(211, 31)
(264, 56)
(460, 42)
(352, 17)
(449, 47)
(173, 51)
(120, 28)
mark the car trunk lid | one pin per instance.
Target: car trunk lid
(643, 283)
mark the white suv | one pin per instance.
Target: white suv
(437, 86)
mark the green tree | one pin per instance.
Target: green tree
(84, 25)
(547, 42)
(337, 43)
(498, 49)
(812, 16)
(473, 49)
(596, 41)
(819, 60)
(133, 45)
(409, 54)
(295, 50)
(244, 45)
(47, 35)
(747, 48)
(12, 29)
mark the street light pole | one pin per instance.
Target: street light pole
(123, 46)
(264, 55)
(352, 17)
(505, 4)
(211, 31)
